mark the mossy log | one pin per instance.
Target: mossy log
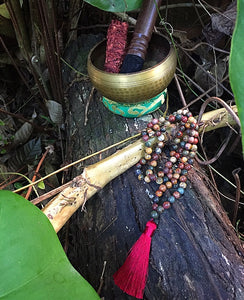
(195, 252)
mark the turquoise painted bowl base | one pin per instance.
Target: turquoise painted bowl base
(136, 110)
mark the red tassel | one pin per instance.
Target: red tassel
(131, 277)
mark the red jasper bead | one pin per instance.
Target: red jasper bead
(171, 118)
(181, 165)
(178, 171)
(183, 178)
(166, 205)
(143, 161)
(145, 138)
(156, 127)
(172, 153)
(155, 156)
(184, 119)
(154, 121)
(179, 134)
(158, 133)
(152, 177)
(173, 180)
(176, 194)
(162, 187)
(169, 175)
(195, 141)
(177, 155)
(168, 164)
(188, 167)
(154, 206)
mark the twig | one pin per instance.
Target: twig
(37, 170)
(194, 83)
(101, 278)
(180, 90)
(238, 188)
(207, 44)
(218, 154)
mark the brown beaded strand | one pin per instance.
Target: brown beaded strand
(178, 135)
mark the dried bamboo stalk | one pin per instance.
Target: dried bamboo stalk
(96, 176)
(93, 178)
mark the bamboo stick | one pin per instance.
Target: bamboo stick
(96, 176)
(93, 178)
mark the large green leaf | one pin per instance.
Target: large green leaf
(32, 261)
(116, 5)
(236, 68)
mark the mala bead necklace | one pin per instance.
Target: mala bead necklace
(170, 148)
(168, 168)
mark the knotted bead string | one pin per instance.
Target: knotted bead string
(170, 147)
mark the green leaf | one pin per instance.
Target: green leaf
(4, 11)
(41, 185)
(33, 263)
(236, 67)
(116, 5)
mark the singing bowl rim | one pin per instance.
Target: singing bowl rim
(104, 81)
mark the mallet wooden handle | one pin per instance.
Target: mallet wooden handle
(144, 28)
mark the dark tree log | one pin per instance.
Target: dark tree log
(195, 252)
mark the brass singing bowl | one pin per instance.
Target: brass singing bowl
(158, 71)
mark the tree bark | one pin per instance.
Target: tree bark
(195, 252)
